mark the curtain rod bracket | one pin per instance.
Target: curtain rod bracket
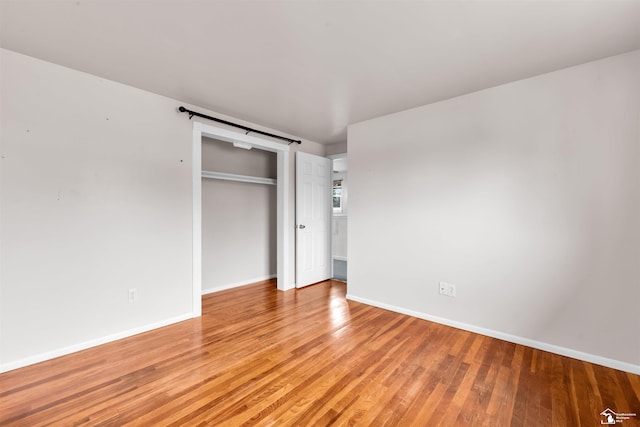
(246, 128)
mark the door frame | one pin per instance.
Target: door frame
(201, 130)
(334, 157)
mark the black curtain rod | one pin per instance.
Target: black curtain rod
(248, 129)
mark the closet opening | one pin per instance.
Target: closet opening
(238, 141)
(239, 215)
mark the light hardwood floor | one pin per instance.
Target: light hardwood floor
(310, 358)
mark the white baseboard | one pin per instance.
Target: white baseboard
(31, 360)
(291, 286)
(551, 348)
(238, 284)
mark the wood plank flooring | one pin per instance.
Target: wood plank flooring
(310, 358)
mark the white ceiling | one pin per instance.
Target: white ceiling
(310, 68)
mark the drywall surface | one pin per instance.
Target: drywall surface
(338, 148)
(339, 220)
(238, 218)
(525, 196)
(222, 156)
(96, 199)
(339, 237)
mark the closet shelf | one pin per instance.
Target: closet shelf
(239, 178)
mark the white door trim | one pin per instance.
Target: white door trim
(283, 230)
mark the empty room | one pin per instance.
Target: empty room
(313, 213)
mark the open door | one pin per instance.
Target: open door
(313, 219)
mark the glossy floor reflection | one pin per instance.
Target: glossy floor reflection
(309, 357)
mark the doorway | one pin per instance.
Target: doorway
(283, 255)
(340, 211)
(238, 216)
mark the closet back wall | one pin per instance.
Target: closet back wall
(238, 218)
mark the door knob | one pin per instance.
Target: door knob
(302, 226)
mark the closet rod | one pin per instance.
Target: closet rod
(248, 129)
(238, 178)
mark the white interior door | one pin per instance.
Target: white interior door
(313, 219)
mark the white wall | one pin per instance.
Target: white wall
(238, 218)
(339, 227)
(96, 198)
(526, 196)
(337, 148)
(339, 224)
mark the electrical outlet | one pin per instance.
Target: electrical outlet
(443, 288)
(447, 289)
(451, 291)
(133, 294)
